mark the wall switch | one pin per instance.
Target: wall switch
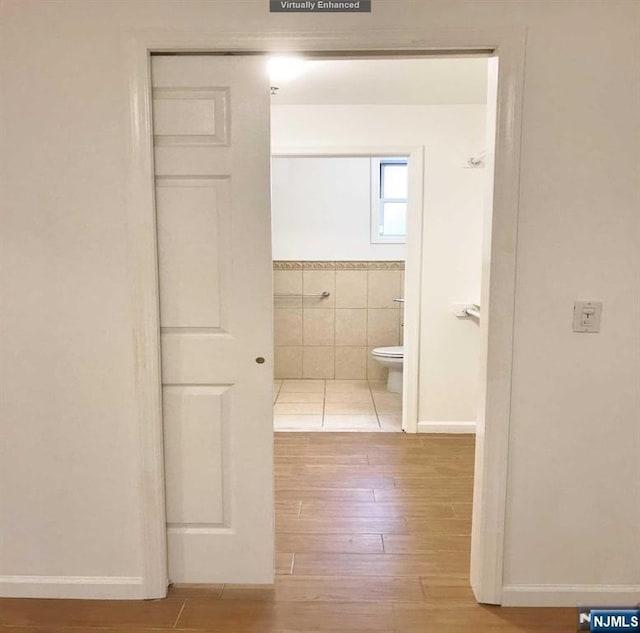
(587, 316)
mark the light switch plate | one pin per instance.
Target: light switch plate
(587, 316)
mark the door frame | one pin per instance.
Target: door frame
(413, 258)
(498, 294)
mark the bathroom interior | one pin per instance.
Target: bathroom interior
(346, 190)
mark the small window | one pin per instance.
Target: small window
(389, 191)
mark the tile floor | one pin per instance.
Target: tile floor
(336, 405)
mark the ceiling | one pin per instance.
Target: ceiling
(415, 81)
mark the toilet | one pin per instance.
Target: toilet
(393, 359)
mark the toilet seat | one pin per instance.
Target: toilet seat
(389, 352)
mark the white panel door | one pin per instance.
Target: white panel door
(211, 132)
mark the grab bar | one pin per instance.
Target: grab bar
(322, 295)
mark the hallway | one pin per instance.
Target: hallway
(372, 536)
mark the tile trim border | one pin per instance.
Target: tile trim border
(381, 265)
(318, 265)
(352, 265)
(279, 265)
(338, 265)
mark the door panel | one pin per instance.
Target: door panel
(191, 253)
(193, 420)
(191, 115)
(211, 130)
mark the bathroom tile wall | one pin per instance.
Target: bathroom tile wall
(331, 338)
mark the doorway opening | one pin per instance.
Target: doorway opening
(377, 195)
(251, 446)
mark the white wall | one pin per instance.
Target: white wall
(452, 239)
(69, 501)
(321, 210)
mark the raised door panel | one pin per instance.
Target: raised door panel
(190, 116)
(194, 426)
(191, 251)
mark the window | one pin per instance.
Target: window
(389, 180)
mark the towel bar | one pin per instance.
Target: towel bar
(322, 295)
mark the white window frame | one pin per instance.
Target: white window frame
(376, 200)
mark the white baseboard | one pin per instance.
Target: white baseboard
(82, 587)
(570, 595)
(446, 427)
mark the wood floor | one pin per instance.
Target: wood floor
(372, 537)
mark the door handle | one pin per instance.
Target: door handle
(260, 360)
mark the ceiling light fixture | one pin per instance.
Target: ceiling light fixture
(284, 68)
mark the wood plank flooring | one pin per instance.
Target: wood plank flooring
(372, 537)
